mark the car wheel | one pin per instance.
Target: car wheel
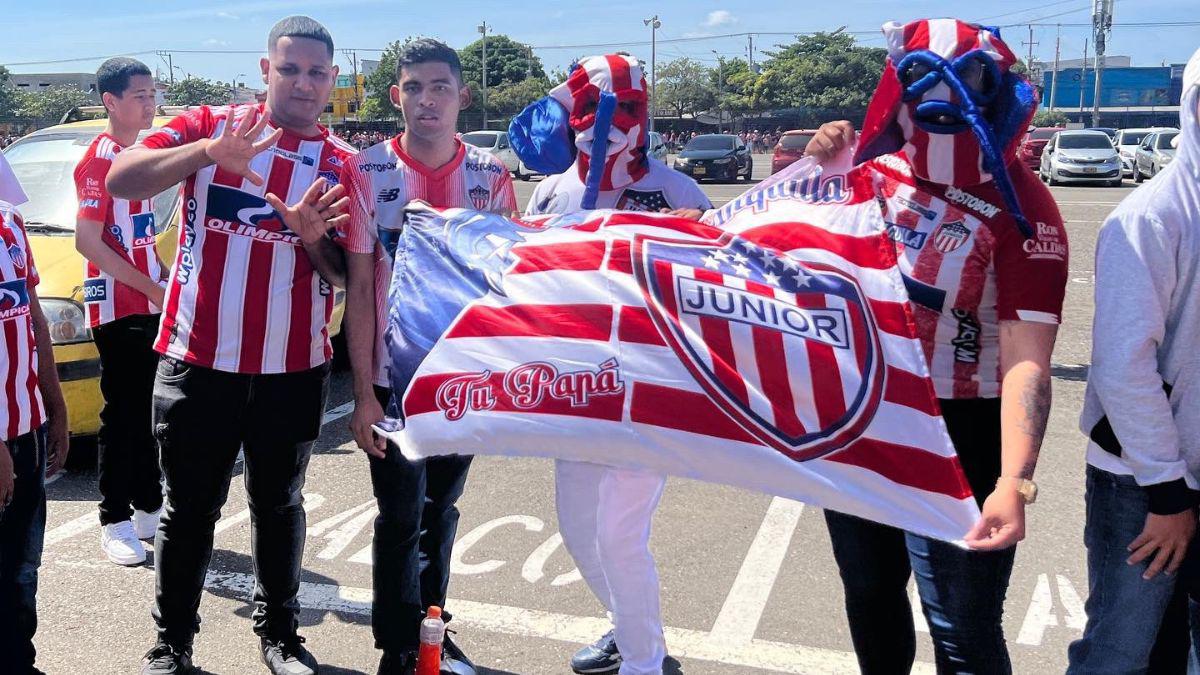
(518, 175)
(1050, 179)
(749, 171)
(1137, 174)
(1116, 182)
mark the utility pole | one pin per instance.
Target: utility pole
(1054, 75)
(654, 24)
(750, 52)
(1082, 78)
(483, 74)
(528, 61)
(357, 97)
(1101, 25)
(1032, 44)
(171, 67)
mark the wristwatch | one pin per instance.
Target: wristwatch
(1025, 487)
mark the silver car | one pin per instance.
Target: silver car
(1080, 157)
(1156, 151)
(496, 142)
(656, 147)
(1127, 142)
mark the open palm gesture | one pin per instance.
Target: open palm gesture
(235, 148)
(315, 213)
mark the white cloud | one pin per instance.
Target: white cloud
(720, 17)
(227, 15)
(214, 42)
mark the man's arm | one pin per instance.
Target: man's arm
(1025, 348)
(361, 330)
(89, 242)
(140, 172)
(328, 260)
(58, 434)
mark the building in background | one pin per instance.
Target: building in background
(34, 81)
(1129, 96)
(345, 98)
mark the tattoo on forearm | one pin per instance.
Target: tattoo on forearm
(1035, 399)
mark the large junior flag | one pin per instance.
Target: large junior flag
(775, 352)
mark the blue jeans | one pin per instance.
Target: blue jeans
(1124, 610)
(22, 526)
(414, 536)
(962, 595)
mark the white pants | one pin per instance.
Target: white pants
(604, 515)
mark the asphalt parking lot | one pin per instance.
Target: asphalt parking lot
(748, 581)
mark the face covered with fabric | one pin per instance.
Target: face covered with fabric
(948, 99)
(605, 98)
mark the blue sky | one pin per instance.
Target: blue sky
(75, 29)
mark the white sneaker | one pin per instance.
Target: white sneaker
(120, 544)
(146, 524)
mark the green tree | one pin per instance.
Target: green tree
(684, 87)
(7, 95)
(197, 91)
(49, 103)
(378, 103)
(508, 62)
(822, 70)
(510, 99)
(734, 83)
(1050, 118)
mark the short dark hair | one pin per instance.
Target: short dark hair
(428, 50)
(300, 27)
(113, 75)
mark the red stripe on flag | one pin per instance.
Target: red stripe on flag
(861, 251)
(636, 326)
(913, 467)
(910, 390)
(673, 223)
(577, 322)
(683, 410)
(916, 36)
(966, 39)
(773, 374)
(828, 394)
(423, 397)
(892, 317)
(719, 340)
(585, 256)
(621, 258)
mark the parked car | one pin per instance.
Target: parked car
(790, 148)
(722, 156)
(1156, 151)
(656, 147)
(1107, 131)
(1080, 156)
(1032, 145)
(1127, 142)
(496, 142)
(44, 162)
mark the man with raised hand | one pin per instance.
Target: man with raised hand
(123, 292)
(244, 336)
(417, 521)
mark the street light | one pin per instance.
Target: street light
(482, 28)
(654, 24)
(720, 90)
(233, 85)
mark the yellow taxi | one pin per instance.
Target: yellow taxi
(44, 162)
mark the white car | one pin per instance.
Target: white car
(496, 142)
(656, 147)
(1127, 142)
(1080, 156)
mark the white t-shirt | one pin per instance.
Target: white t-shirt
(661, 188)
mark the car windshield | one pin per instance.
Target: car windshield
(45, 165)
(1042, 134)
(1133, 137)
(1084, 142)
(710, 143)
(795, 141)
(1164, 140)
(479, 139)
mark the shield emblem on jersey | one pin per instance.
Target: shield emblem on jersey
(950, 236)
(17, 255)
(479, 197)
(787, 348)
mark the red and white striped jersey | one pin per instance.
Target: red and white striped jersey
(967, 268)
(243, 296)
(21, 409)
(128, 229)
(381, 179)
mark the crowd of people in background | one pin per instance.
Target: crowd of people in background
(759, 141)
(365, 139)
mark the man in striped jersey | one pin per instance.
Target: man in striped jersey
(983, 251)
(417, 513)
(33, 432)
(244, 338)
(122, 288)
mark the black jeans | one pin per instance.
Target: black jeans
(962, 592)
(128, 458)
(201, 418)
(414, 534)
(22, 526)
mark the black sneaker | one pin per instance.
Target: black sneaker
(397, 663)
(167, 659)
(601, 656)
(288, 656)
(454, 661)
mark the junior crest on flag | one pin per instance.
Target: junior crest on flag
(772, 349)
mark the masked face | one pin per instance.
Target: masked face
(618, 79)
(949, 73)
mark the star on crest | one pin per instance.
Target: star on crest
(711, 262)
(720, 255)
(771, 278)
(741, 270)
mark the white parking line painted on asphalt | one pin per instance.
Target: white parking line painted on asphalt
(515, 621)
(311, 501)
(739, 616)
(71, 528)
(337, 413)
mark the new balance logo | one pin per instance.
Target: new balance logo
(387, 195)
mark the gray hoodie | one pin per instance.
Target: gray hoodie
(1142, 407)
